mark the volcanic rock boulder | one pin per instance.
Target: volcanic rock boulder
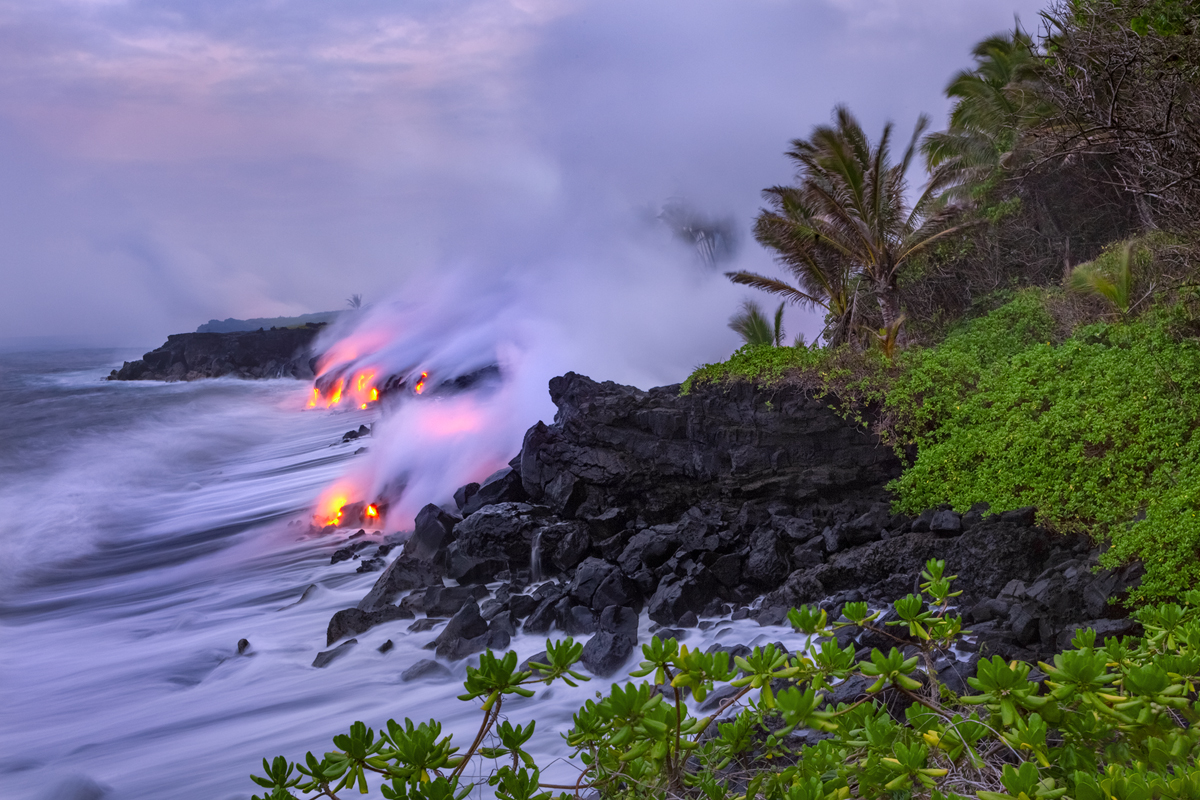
(495, 538)
(432, 534)
(609, 649)
(280, 353)
(353, 620)
(615, 446)
(404, 574)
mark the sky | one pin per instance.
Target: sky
(165, 162)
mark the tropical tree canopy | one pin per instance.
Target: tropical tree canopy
(845, 228)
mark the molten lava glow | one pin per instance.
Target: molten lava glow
(420, 387)
(372, 511)
(360, 390)
(330, 510)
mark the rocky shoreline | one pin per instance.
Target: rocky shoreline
(274, 353)
(726, 503)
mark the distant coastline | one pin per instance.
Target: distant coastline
(231, 325)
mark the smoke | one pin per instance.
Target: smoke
(634, 307)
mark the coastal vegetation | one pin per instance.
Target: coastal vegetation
(1026, 332)
(1034, 340)
(1111, 722)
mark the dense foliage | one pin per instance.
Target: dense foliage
(1113, 722)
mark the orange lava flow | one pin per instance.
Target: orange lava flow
(333, 510)
(360, 390)
(420, 387)
(372, 511)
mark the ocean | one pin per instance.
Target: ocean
(147, 528)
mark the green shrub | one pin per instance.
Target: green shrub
(1096, 432)
(763, 364)
(933, 382)
(1112, 722)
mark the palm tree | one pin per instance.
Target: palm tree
(846, 227)
(354, 301)
(995, 105)
(754, 327)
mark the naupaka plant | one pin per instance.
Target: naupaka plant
(1113, 721)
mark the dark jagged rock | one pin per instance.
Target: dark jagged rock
(464, 493)
(563, 545)
(521, 605)
(616, 446)
(402, 575)
(353, 620)
(444, 601)
(327, 657)
(720, 498)
(425, 668)
(494, 538)
(503, 486)
(242, 646)
(609, 649)
(466, 633)
(280, 353)
(348, 552)
(432, 533)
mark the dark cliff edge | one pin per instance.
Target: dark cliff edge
(727, 503)
(276, 353)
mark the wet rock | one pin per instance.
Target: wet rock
(327, 657)
(424, 624)
(466, 633)
(609, 649)
(346, 553)
(588, 577)
(673, 599)
(577, 621)
(616, 590)
(502, 486)
(444, 601)
(425, 668)
(370, 565)
(767, 563)
(432, 533)
(464, 493)
(242, 646)
(387, 646)
(542, 617)
(404, 574)
(354, 620)
(494, 538)
(567, 543)
(650, 548)
(503, 624)
(521, 605)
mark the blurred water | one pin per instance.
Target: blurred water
(145, 531)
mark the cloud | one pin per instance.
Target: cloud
(169, 161)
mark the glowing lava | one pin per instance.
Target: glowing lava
(360, 390)
(420, 387)
(371, 511)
